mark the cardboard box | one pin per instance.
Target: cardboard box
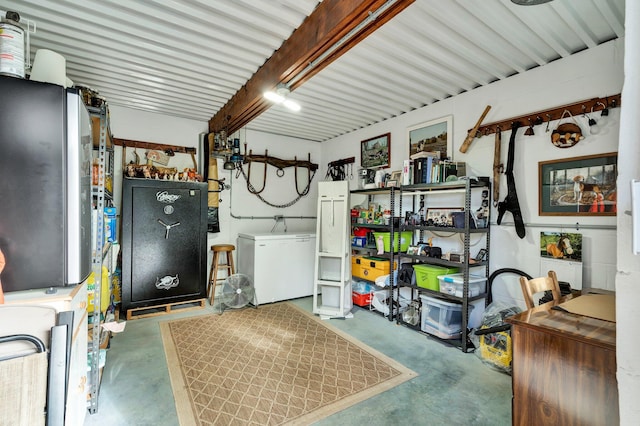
(600, 306)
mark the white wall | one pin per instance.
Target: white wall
(593, 73)
(251, 214)
(628, 274)
(133, 124)
(244, 212)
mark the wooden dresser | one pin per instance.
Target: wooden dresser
(564, 369)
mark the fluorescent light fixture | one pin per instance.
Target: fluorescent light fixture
(292, 105)
(279, 96)
(529, 2)
(274, 97)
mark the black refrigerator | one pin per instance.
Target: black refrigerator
(45, 185)
(164, 242)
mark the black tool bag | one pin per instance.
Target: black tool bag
(405, 274)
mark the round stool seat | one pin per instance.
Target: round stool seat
(222, 247)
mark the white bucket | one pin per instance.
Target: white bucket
(49, 67)
(11, 49)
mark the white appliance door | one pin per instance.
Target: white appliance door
(78, 191)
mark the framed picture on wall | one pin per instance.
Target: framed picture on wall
(435, 135)
(578, 186)
(561, 245)
(376, 152)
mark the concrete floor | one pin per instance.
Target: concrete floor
(452, 388)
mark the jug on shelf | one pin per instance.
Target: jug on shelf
(379, 178)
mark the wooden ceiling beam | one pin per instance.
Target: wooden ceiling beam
(319, 32)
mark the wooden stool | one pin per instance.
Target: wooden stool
(217, 250)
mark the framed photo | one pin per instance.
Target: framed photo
(396, 175)
(413, 250)
(441, 216)
(376, 152)
(561, 245)
(435, 135)
(579, 186)
(481, 255)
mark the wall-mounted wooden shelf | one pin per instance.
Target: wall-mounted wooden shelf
(127, 143)
(542, 117)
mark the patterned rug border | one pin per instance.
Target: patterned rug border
(183, 402)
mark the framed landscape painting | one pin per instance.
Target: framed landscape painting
(376, 152)
(435, 136)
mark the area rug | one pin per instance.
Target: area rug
(273, 365)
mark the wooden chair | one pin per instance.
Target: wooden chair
(538, 285)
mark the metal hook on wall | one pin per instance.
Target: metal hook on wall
(548, 121)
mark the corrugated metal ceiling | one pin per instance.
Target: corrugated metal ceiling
(188, 57)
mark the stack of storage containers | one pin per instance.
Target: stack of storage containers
(444, 318)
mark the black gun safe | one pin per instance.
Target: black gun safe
(164, 242)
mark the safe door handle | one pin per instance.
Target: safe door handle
(167, 228)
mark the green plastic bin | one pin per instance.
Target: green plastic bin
(427, 275)
(404, 237)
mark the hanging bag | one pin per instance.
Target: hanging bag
(567, 134)
(405, 274)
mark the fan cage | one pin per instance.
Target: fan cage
(237, 291)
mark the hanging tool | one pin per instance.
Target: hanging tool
(336, 173)
(511, 203)
(340, 169)
(280, 165)
(305, 191)
(472, 133)
(548, 121)
(214, 185)
(250, 187)
(497, 167)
